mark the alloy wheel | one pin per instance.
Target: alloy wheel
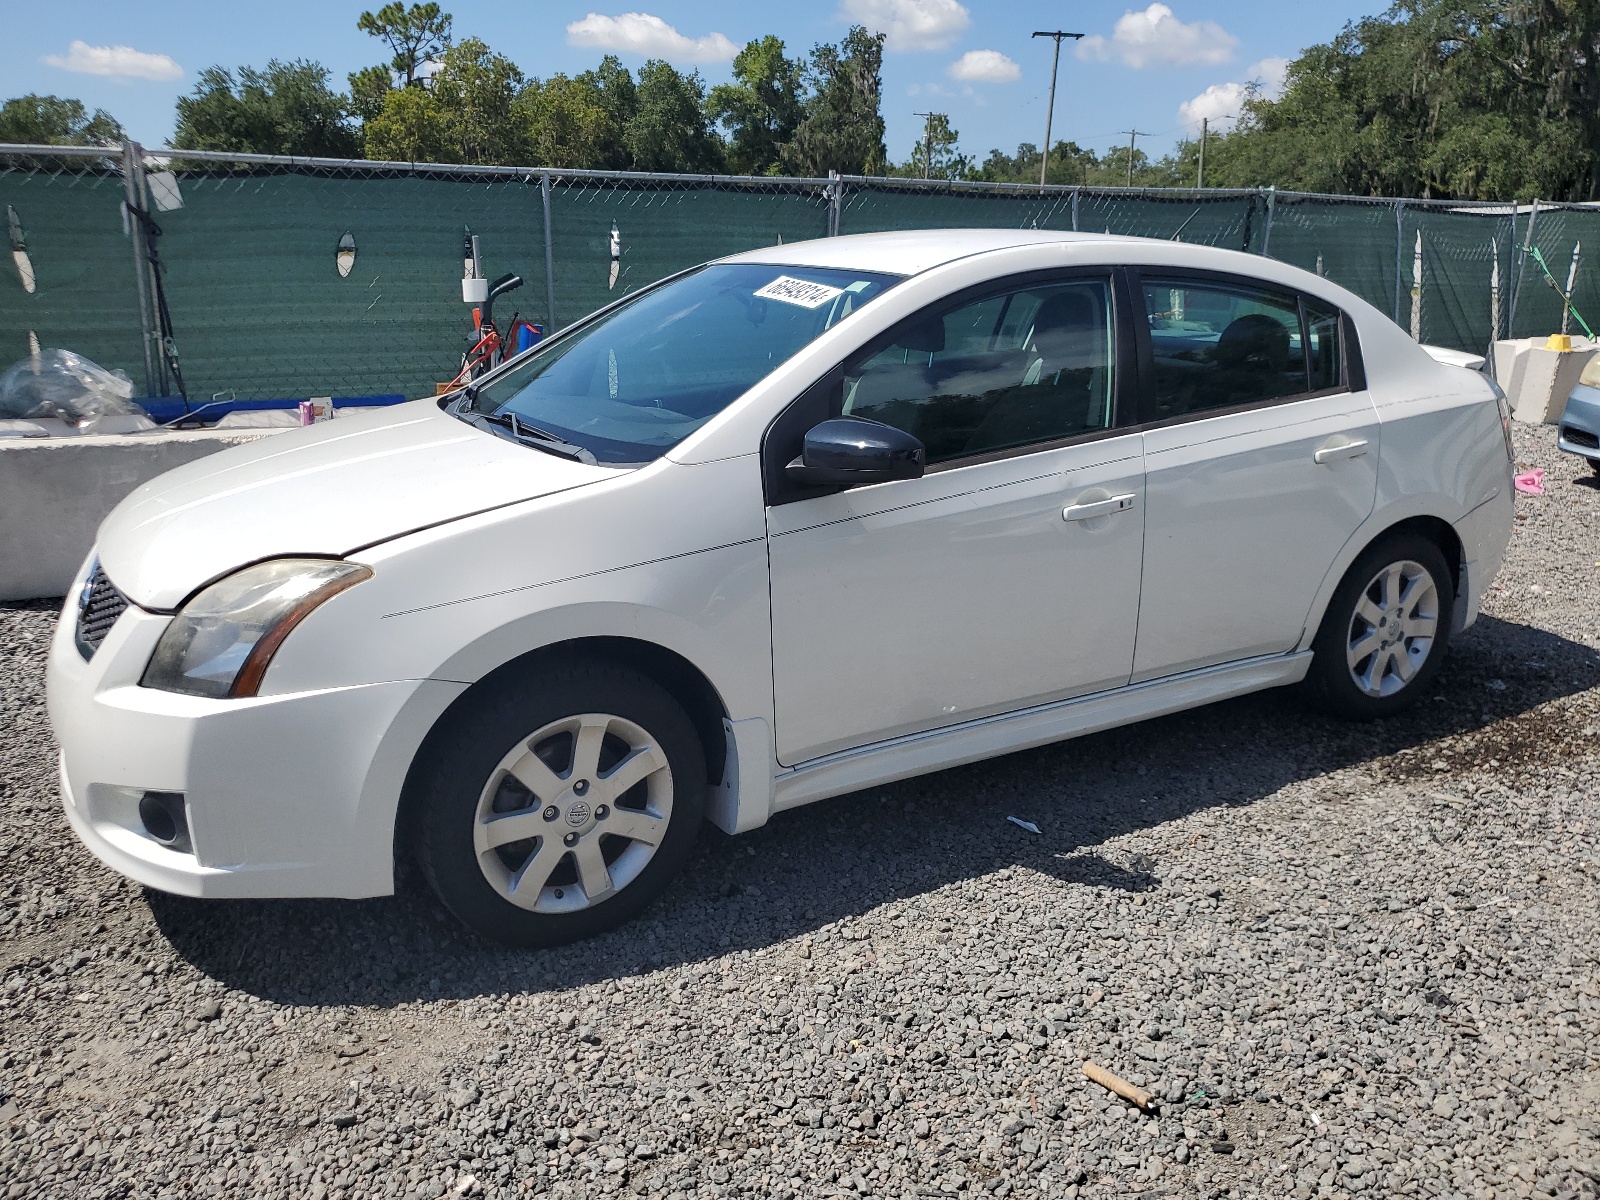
(1393, 628)
(573, 813)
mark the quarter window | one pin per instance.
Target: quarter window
(1015, 369)
(1218, 345)
(1324, 358)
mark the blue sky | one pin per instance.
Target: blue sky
(1155, 67)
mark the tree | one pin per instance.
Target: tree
(417, 35)
(286, 109)
(52, 121)
(1069, 163)
(1472, 99)
(620, 98)
(567, 122)
(843, 125)
(669, 130)
(945, 161)
(369, 88)
(466, 114)
(761, 108)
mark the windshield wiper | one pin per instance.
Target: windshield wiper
(539, 439)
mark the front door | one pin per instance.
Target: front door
(1006, 576)
(1261, 465)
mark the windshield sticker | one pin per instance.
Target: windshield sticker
(802, 292)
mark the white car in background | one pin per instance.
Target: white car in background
(785, 526)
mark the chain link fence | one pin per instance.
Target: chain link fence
(264, 306)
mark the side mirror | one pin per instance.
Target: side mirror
(853, 451)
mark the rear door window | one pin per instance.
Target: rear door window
(1216, 345)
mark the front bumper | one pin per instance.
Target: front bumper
(1579, 431)
(288, 795)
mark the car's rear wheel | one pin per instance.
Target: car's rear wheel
(558, 804)
(1384, 635)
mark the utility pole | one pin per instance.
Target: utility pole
(1132, 134)
(1200, 175)
(1050, 111)
(927, 142)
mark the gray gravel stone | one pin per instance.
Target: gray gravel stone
(1363, 958)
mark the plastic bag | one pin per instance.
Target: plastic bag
(66, 385)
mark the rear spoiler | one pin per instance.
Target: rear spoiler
(1456, 358)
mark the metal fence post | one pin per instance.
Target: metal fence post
(835, 202)
(132, 152)
(549, 255)
(1399, 254)
(1076, 192)
(1266, 231)
(1516, 274)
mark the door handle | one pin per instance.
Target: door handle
(1097, 508)
(1352, 449)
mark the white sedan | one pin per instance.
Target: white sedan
(781, 527)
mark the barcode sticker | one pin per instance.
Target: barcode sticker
(802, 292)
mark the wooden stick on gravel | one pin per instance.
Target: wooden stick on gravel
(1120, 1086)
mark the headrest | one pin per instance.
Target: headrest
(1254, 335)
(925, 337)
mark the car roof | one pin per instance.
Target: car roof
(909, 252)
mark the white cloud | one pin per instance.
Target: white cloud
(649, 35)
(910, 24)
(984, 66)
(1221, 103)
(1156, 37)
(1269, 73)
(122, 62)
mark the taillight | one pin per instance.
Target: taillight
(1505, 417)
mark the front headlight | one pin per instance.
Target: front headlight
(221, 642)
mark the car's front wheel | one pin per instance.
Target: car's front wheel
(1384, 635)
(557, 804)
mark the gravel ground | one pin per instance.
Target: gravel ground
(1355, 961)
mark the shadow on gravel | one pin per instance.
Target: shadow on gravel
(843, 857)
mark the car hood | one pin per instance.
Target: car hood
(331, 489)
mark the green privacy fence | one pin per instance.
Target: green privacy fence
(259, 308)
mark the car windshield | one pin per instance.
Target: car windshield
(636, 382)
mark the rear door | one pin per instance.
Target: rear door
(1261, 459)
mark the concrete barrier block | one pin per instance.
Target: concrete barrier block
(54, 492)
(1537, 381)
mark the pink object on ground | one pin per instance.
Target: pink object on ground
(1530, 483)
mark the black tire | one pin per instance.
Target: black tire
(1594, 465)
(1331, 684)
(495, 720)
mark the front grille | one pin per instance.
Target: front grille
(99, 606)
(1580, 437)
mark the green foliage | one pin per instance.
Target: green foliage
(1466, 99)
(369, 87)
(1072, 164)
(465, 114)
(935, 155)
(475, 106)
(52, 121)
(417, 35)
(761, 108)
(669, 130)
(566, 122)
(286, 109)
(843, 125)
